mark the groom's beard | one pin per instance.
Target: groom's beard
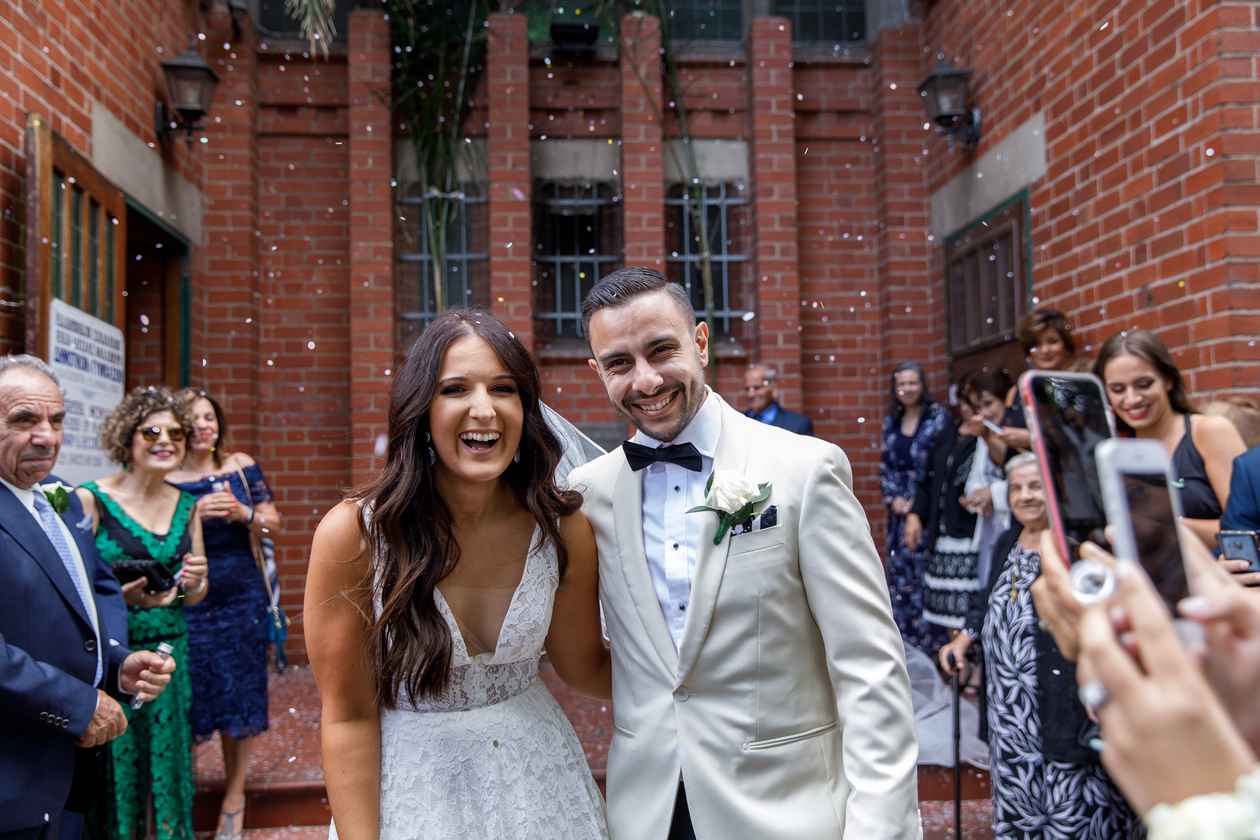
(683, 409)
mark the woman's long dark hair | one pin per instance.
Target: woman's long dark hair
(895, 408)
(409, 528)
(1146, 346)
(190, 396)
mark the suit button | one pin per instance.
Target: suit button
(90, 645)
(683, 695)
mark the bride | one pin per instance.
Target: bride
(432, 594)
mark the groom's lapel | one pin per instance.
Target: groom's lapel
(731, 455)
(628, 516)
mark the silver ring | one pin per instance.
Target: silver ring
(1043, 626)
(1093, 695)
(1091, 581)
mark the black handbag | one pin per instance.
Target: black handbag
(277, 622)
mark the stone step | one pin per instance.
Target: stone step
(285, 782)
(938, 824)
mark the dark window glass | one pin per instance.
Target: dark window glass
(824, 21)
(467, 262)
(577, 240)
(706, 20)
(275, 20)
(728, 219)
(985, 285)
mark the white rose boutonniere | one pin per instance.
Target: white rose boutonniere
(58, 495)
(733, 498)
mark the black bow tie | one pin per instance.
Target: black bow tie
(682, 454)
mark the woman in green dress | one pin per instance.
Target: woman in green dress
(136, 515)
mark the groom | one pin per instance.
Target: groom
(759, 683)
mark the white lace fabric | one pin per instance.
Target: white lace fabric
(492, 756)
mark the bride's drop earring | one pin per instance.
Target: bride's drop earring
(516, 459)
(428, 439)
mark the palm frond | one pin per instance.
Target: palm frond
(315, 19)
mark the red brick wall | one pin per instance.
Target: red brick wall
(56, 57)
(511, 243)
(773, 153)
(642, 181)
(372, 332)
(1147, 215)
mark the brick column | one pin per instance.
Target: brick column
(511, 271)
(642, 170)
(909, 295)
(226, 284)
(371, 237)
(774, 194)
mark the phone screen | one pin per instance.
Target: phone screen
(1155, 534)
(1072, 420)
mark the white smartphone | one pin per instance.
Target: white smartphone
(991, 426)
(1142, 514)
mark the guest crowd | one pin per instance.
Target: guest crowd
(141, 625)
(976, 583)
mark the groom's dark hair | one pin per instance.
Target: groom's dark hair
(625, 284)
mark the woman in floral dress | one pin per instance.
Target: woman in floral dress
(913, 428)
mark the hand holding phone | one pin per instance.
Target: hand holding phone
(991, 426)
(1068, 418)
(1240, 545)
(1142, 514)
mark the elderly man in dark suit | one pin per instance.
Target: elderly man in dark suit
(763, 402)
(64, 662)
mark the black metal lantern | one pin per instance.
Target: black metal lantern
(945, 96)
(190, 83)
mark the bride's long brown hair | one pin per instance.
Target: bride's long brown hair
(409, 526)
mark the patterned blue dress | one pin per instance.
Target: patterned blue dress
(227, 632)
(1035, 798)
(902, 468)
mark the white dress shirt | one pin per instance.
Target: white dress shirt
(27, 497)
(671, 537)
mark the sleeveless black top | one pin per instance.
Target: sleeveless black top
(1198, 499)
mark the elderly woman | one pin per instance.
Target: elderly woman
(137, 516)
(1047, 783)
(227, 634)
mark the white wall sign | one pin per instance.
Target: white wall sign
(87, 354)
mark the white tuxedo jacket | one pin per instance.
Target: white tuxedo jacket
(786, 709)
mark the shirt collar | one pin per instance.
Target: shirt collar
(768, 413)
(25, 496)
(702, 432)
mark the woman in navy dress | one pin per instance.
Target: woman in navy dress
(227, 632)
(912, 430)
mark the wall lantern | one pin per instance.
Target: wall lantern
(190, 83)
(945, 97)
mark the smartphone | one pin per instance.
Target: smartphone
(1069, 417)
(1240, 545)
(991, 426)
(1142, 510)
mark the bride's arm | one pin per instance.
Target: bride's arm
(336, 623)
(575, 643)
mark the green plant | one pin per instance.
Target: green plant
(439, 55)
(315, 19)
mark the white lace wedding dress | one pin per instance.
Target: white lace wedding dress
(493, 756)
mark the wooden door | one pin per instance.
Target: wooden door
(76, 235)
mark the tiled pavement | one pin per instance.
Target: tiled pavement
(286, 781)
